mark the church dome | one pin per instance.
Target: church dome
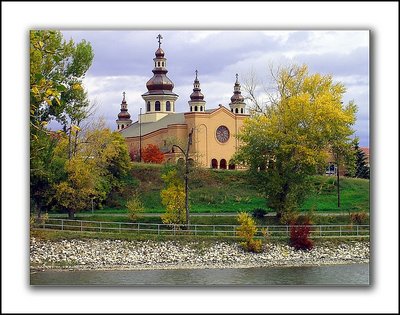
(160, 53)
(196, 94)
(159, 82)
(124, 115)
(237, 96)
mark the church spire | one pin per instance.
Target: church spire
(159, 98)
(124, 118)
(197, 102)
(237, 103)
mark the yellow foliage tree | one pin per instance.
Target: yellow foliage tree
(173, 198)
(290, 139)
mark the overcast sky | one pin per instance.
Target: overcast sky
(124, 59)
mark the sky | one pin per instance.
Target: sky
(380, 17)
(124, 59)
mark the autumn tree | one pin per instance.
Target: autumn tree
(100, 161)
(57, 68)
(173, 198)
(288, 141)
(152, 154)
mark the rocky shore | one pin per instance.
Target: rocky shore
(93, 254)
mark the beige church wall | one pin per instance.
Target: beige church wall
(157, 138)
(207, 146)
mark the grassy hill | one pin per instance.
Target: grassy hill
(228, 191)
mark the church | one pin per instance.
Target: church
(212, 131)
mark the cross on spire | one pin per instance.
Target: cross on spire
(196, 74)
(123, 93)
(159, 40)
(237, 76)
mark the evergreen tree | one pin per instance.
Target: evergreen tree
(362, 169)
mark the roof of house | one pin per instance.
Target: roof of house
(149, 127)
(365, 150)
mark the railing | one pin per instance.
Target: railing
(274, 231)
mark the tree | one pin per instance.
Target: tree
(173, 198)
(135, 206)
(96, 168)
(56, 71)
(361, 167)
(288, 142)
(152, 154)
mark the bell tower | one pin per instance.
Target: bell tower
(237, 103)
(124, 118)
(197, 102)
(159, 98)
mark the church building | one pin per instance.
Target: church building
(213, 141)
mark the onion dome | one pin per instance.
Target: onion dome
(124, 115)
(196, 95)
(237, 94)
(159, 83)
(159, 53)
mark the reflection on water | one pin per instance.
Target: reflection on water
(354, 274)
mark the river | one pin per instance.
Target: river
(352, 275)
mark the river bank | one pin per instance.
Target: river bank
(94, 254)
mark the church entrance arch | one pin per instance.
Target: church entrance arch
(214, 163)
(222, 164)
(232, 166)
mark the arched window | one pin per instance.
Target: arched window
(232, 110)
(222, 164)
(191, 108)
(242, 111)
(168, 104)
(201, 108)
(195, 108)
(214, 163)
(232, 166)
(148, 106)
(158, 107)
(158, 64)
(162, 63)
(237, 110)
(122, 127)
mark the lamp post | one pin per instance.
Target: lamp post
(186, 155)
(140, 135)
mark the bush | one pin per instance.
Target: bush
(135, 206)
(259, 213)
(358, 218)
(248, 230)
(300, 233)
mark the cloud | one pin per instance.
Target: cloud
(124, 60)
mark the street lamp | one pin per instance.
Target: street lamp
(186, 155)
(140, 135)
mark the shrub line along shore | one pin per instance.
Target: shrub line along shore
(96, 254)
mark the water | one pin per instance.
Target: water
(352, 275)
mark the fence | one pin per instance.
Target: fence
(274, 231)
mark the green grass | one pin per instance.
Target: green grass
(213, 191)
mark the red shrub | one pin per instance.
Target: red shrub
(152, 154)
(299, 235)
